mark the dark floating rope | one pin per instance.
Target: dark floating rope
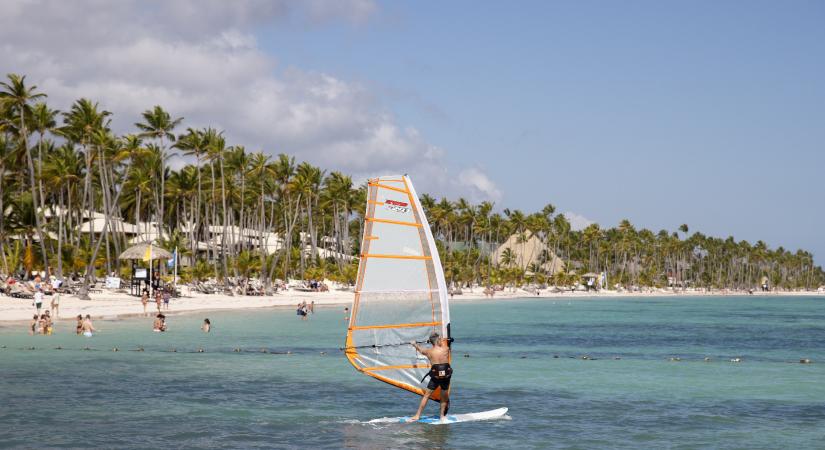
(379, 346)
(266, 351)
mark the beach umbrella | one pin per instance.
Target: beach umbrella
(140, 251)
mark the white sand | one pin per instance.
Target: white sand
(110, 304)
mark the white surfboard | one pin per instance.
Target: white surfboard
(493, 414)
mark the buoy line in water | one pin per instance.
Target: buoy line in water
(141, 349)
(304, 351)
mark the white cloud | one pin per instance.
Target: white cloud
(197, 60)
(480, 184)
(577, 221)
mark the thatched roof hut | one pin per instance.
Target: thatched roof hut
(528, 249)
(139, 252)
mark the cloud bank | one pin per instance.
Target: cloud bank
(199, 60)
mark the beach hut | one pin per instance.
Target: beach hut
(150, 253)
(528, 249)
(590, 280)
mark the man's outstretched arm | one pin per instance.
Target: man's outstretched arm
(418, 348)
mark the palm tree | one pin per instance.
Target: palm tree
(158, 124)
(81, 122)
(194, 142)
(16, 96)
(63, 170)
(43, 121)
(6, 153)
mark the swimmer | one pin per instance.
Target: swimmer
(79, 327)
(207, 326)
(159, 325)
(87, 327)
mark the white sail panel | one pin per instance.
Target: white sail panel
(400, 292)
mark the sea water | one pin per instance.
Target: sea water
(583, 373)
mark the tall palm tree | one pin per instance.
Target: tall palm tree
(17, 96)
(44, 120)
(158, 124)
(194, 142)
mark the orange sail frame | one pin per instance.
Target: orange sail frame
(400, 292)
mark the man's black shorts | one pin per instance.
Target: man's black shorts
(443, 383)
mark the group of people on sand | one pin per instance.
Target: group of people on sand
(305, 310)
(162, 298)
(84, 325)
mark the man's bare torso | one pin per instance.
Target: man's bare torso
(438, 354)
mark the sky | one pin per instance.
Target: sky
(709, 113)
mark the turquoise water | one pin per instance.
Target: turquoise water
(523, 354)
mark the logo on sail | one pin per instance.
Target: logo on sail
(396, 206)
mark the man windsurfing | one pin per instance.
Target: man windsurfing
(440, 373)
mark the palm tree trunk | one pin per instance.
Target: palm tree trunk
(162, 187)
(35, 203)
(60, 235)
(2, 222)
(223, 202)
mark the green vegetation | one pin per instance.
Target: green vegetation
(56, 166)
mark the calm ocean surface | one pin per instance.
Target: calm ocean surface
(523, 354)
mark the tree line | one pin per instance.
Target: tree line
(240, 214)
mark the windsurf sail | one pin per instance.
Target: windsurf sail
(400, 293)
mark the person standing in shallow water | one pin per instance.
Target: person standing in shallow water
(160, 323)
(79, 327)
(87, 327)
(207, 326)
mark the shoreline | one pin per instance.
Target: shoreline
(118, 305)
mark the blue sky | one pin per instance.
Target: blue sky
(705, 113)
(710, 113)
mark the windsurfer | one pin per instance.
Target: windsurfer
(440, 373)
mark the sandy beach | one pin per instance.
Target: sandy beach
(112, 304)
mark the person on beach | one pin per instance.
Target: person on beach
(156, 283)
(79, 327)
(166, 296)
(55, 304)
(144, 299)
(158, 300)
(87, 327)
(207, 326)
(440, 373)
(159, 324)
(38, 300)
(33, 325)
